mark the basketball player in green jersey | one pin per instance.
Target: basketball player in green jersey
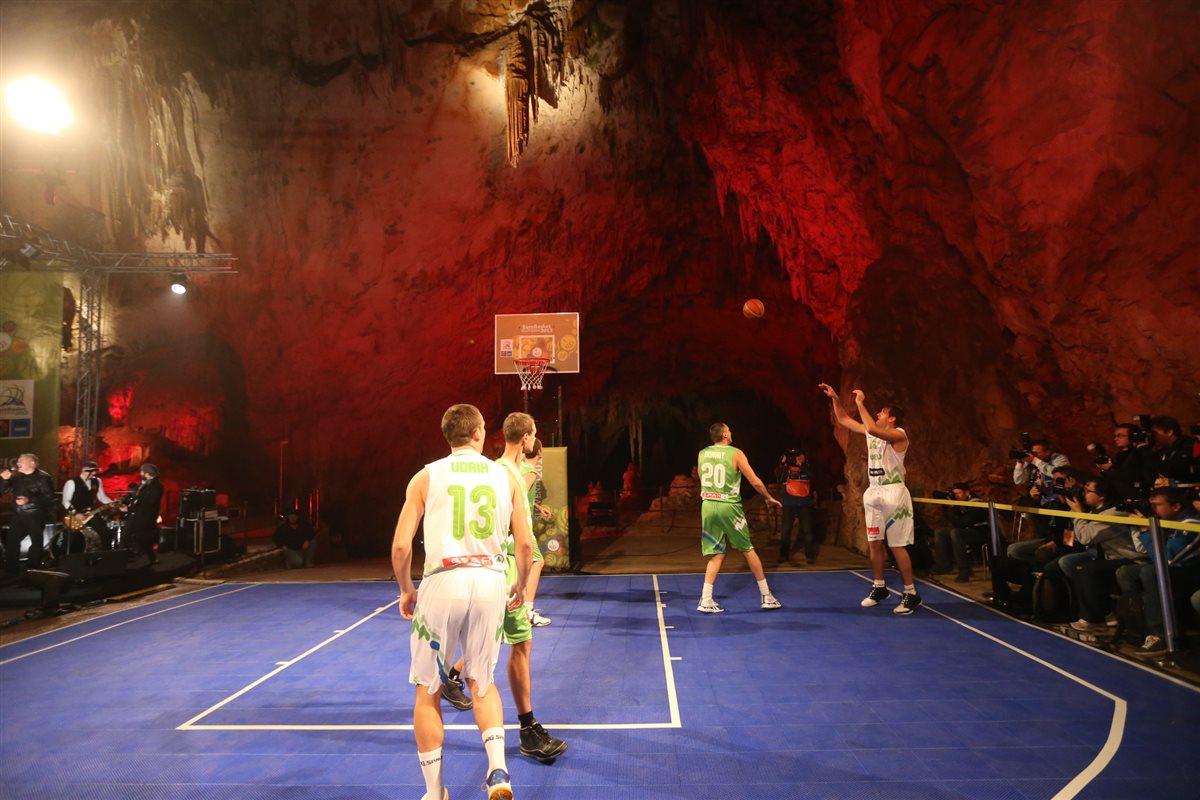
(722, 522)
(887, 505)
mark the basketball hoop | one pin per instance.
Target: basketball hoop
(531, 371)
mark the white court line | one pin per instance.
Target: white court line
(1115, 730)
(672, 699)
(190, 724)
(110, 613)
(1074, 642)
(126, 622)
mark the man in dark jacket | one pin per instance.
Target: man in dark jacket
(298, 540)
(32, 493)
(141, 524)
(967, 527)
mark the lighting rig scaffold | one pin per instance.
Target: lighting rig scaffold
(47, 253)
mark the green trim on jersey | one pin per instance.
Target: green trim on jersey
(720, 480)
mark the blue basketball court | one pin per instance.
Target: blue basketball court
(275, 690)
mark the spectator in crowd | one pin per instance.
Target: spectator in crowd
(1128, 472)
(968, 527)
(1182, 551)
(298, 540)
(1173, 458)
(796, 494)
(1090, 577)
(1036, 470)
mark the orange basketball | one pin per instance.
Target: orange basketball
(753, 308)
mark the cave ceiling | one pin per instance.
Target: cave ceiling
(984, 210)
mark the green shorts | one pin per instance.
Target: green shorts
(723, 525)
(537, 550)
(516, 623)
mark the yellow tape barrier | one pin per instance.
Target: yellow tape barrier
(1051, 512)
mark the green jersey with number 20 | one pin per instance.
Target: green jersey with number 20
(720, 480)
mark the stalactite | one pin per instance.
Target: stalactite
(516, 93)
(534, 71)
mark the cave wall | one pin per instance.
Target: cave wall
(982, 210)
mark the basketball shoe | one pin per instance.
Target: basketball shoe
(877, 593)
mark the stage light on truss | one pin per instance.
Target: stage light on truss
(179, 282)
(38, 105)
(19, 258)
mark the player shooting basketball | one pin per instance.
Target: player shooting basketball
(886, 502)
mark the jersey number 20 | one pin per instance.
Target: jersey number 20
(712, 475)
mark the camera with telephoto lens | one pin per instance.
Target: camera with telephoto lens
(1142, 433)
(940, 495)
(1026, 446)
(1130, 506)
(1099, 454)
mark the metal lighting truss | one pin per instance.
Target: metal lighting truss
(59, 255)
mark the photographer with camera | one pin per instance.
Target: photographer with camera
(968, 527)
(799, 502)
(1126, 474)
(1090, 575)
(1173, 459)
(1183, 562)
(1035, 466)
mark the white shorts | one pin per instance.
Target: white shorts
(460, 607)
(889, 514)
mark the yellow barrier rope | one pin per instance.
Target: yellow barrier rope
(1052, 512)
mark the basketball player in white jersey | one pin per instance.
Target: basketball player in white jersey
(886, 503)
(468, 502)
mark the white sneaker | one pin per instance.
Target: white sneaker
(709, 607)
(769, 602)
(1083, 626)
(1152, 645)
(537, 620)
(1110, 621)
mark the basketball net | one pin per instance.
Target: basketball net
(531, 370)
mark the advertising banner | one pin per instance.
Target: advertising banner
(551, 519)
(31, 318)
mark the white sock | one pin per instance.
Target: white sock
(910, 589)
(878, 582)
(763, 588)
(493, 743)
(706, 592)
(431, 768)
(528, 605)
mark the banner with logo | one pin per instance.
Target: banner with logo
(551, 522)
(31, 309)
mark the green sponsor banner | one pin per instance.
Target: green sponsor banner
(552, 533)
(31, 306)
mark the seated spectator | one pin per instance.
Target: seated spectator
(968, 528)
(1043, 559)
(1173, 458)
(1183, 559)
(298, 540)
(1089, 575)
(1036, 470)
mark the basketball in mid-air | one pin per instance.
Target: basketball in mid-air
(753, 308)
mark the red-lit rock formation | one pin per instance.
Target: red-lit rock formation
(985, 210)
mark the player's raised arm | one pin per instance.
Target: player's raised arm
(743, 464)
(895, 436)
(523, 537)
(406, 528)
(839, 413)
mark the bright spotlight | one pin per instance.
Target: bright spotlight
(179, 283)
(38, 105)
